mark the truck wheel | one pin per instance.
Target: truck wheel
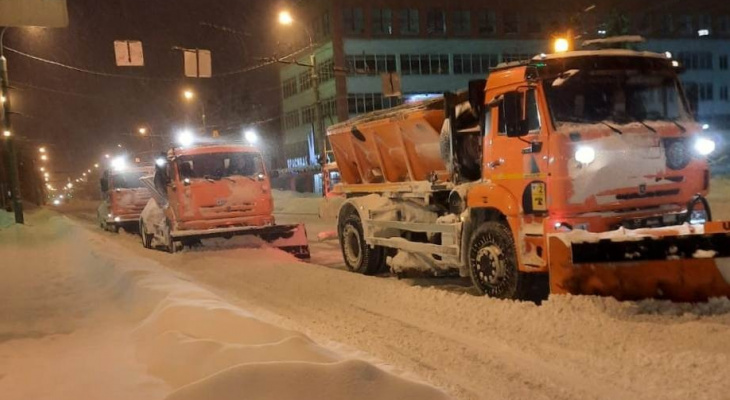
(493, 263)
(359, 257)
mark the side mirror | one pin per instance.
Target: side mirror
(515, 118)
(274, 174)
(477, 94)
(104, 183)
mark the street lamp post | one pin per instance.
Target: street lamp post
(8, 134)
(285, 18)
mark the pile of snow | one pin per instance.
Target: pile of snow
(6, 219)
(90, 319)
(290, 202)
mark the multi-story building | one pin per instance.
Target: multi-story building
(438, 45)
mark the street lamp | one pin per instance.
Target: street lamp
(44, 157)
(7, 133)
(189, 95)
(286, 18)
(106, 156)
(42, 149)
(96, 165)
(142, 131)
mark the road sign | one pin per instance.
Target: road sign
(197, 63)
(128, 53)
(48, 13)
(391, 84)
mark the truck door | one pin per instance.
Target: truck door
(519, 164)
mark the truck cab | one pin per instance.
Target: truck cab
(208, 191)
(123, 198)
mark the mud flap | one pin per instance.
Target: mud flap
(677, 264)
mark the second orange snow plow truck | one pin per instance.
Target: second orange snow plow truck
(583, 172)
(214, 191)
(123, 196)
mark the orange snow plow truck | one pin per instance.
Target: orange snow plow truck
(581, 172)
(123, 197)
(214, 191)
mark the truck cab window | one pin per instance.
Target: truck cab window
(532, 111)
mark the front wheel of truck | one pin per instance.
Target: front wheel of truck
(493, 263)
(359, 256)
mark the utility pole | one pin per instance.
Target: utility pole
(8, 135)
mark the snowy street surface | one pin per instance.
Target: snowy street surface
(86, 314)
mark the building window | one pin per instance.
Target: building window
(409, 21)
(723, 24)
(723, 62)
(424, 64)
(665, 24)
(512, 57)
(461, 22)
(684, 25)
(368, 64)
(329, 107)
(436, 22)
(326, 70)
(487, 22)
(705, 91)
(353, 20)
(382, 21)
(307, 115)
(533, 24)
(291, 120)
(474, 63)
(695, 59)
(305, 80)
(358, 103)
(723, 93)
(289, 87)
(511, 22)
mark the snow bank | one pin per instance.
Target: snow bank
(289, 202)
(120, 326)
(351, 380)
(6, 219)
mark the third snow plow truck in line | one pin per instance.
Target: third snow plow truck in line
(582, 172)
(214, 191)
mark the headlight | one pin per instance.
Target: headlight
(704, 146)
(585, 154)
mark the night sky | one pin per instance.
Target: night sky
(81, 116)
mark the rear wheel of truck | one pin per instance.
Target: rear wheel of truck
(493, 263)
(359, 256)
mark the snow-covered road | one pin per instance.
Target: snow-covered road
(472, 347)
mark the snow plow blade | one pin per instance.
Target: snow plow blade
(289, 238)
(681, 263)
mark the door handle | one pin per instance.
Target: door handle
(496, 163)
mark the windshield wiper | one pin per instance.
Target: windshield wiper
(613, 128)
(645, 124)
(680, 126)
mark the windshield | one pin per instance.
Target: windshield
(127, 180)
(621, 95)
(220, 165)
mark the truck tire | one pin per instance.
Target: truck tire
(492, 262)
(359, 256)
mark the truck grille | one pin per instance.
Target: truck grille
(656, 193)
